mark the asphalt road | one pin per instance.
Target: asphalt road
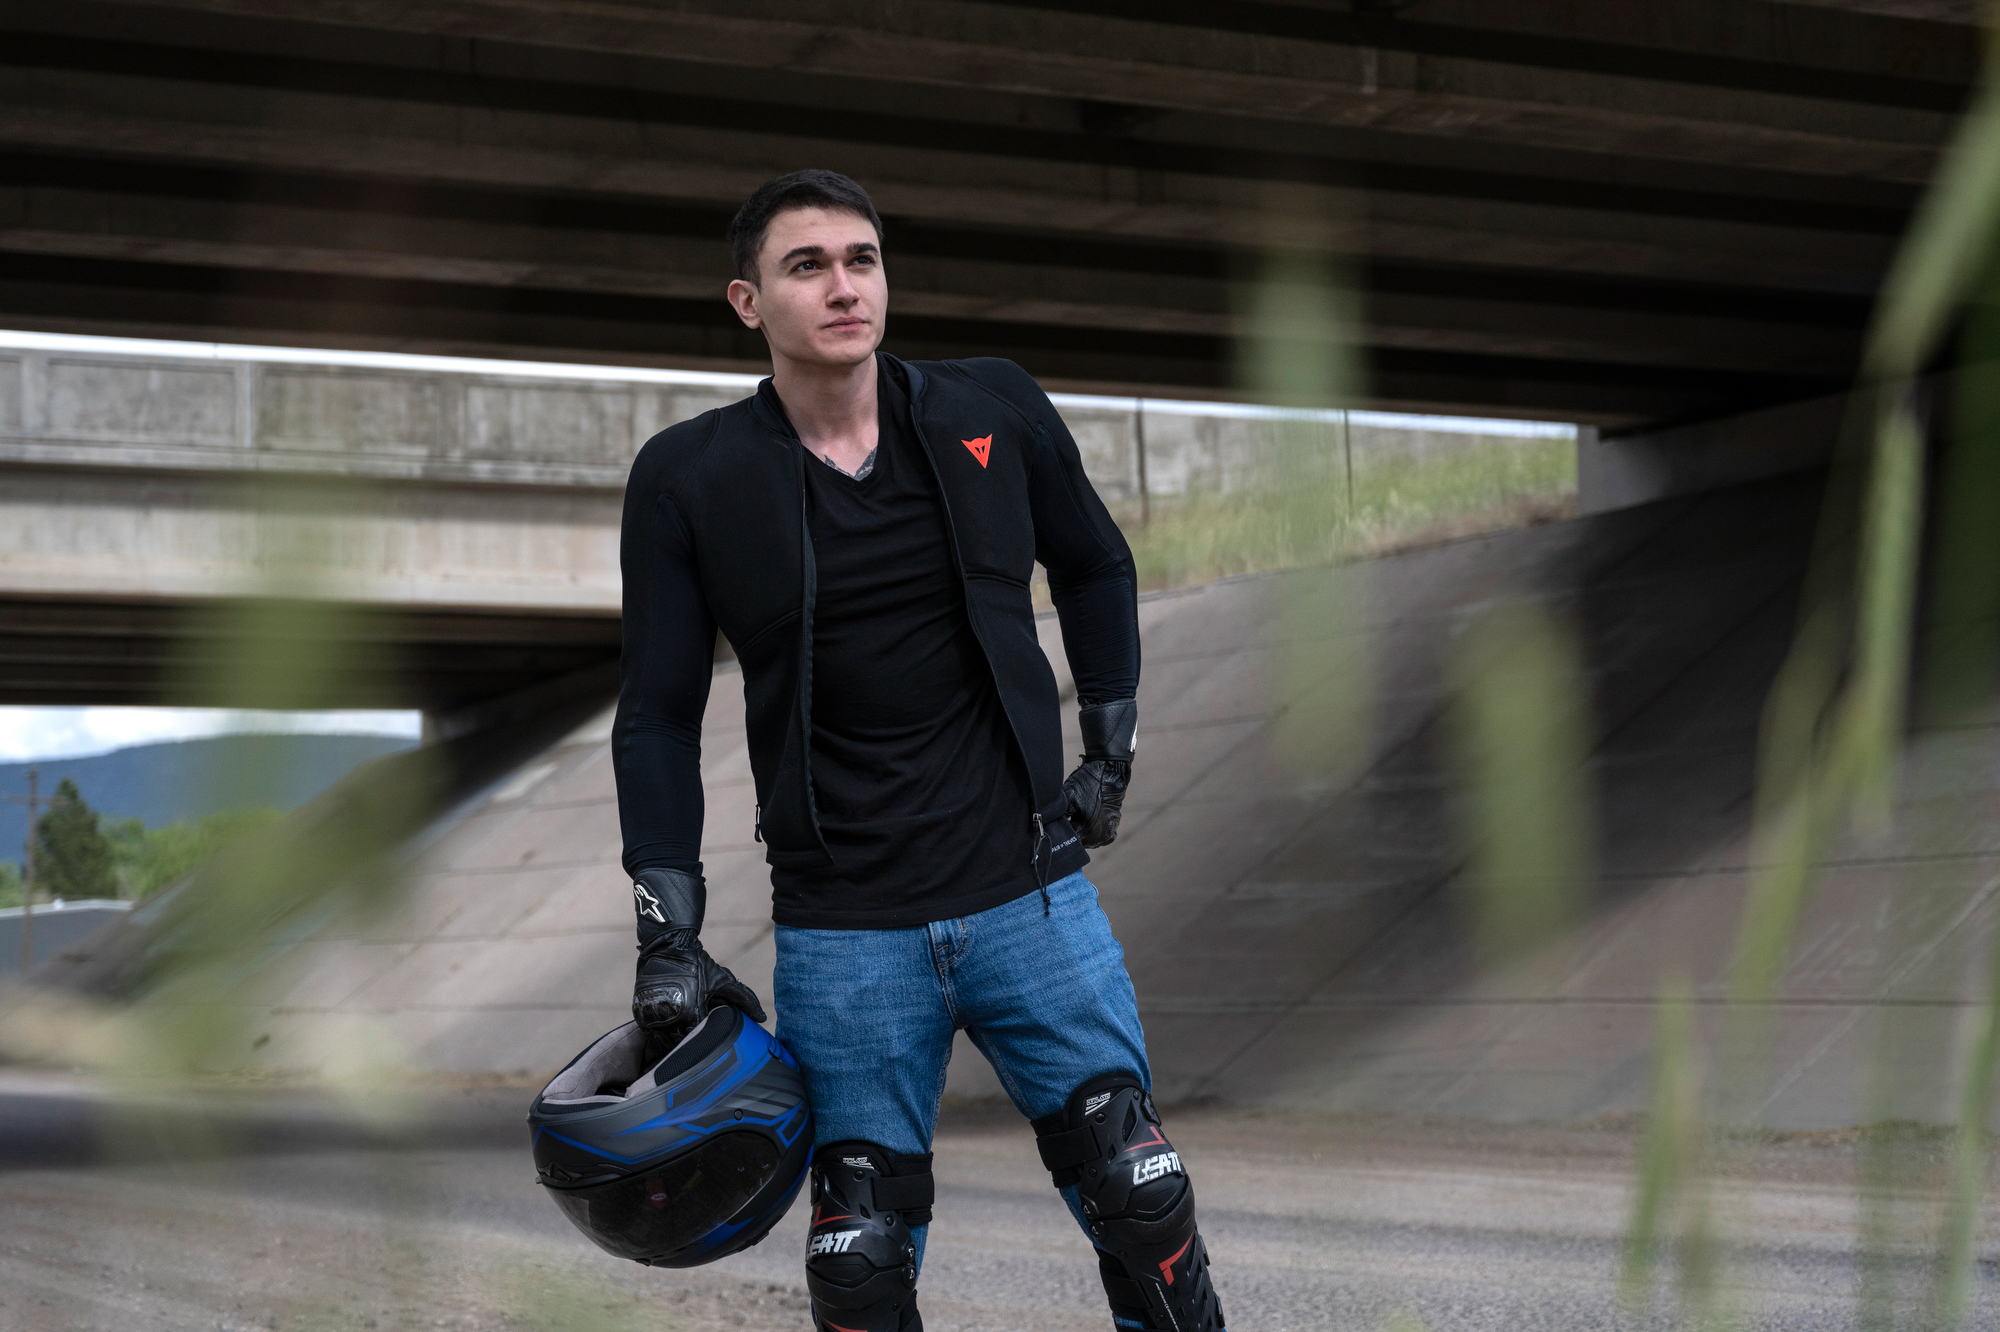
(288, 1211)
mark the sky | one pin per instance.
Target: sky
(51, 733)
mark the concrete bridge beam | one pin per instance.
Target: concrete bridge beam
(1644, 215)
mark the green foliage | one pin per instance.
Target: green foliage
(72, 855)
(1519, 740)
(1322, 514)
(1670, 1208)
(149, 859)
(1836, 717)
(1402, 494)
(78, 856)
(1963, 648)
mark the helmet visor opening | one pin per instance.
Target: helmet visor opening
(661, 1211)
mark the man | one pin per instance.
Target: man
(863, 531)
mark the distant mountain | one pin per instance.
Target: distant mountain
(180, 779)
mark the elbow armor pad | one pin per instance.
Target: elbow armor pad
(861, 1261)
(1138, 1202)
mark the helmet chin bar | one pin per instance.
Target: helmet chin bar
(861, 1260)
(1139, 1203)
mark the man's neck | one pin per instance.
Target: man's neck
(833, 408)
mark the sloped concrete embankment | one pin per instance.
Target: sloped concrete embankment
(1293, 918)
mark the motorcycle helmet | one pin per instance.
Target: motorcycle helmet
(683, 1161)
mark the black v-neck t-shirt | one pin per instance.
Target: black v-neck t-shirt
(921, 792)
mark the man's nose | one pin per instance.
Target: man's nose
(843, 292)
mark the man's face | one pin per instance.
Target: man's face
(820, 296)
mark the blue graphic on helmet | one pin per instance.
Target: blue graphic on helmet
(683, 1162)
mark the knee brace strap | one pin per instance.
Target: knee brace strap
(1064, 1153)
(911, 1195)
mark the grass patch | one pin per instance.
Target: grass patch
(1394, 501)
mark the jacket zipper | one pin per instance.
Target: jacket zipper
(918, 386)
(810, 570)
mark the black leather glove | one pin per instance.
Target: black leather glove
(678, 981)
(1096, 790)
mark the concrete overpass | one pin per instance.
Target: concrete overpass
(444, 529)
(1665, 222)
(1624, 215)
(449, 529)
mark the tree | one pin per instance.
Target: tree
(148, 859)
(72, 856)
(128, 849)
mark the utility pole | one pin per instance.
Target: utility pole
(1347, 447)
(1139, 438)
(34, 804)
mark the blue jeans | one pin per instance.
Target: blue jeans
(870, 1014)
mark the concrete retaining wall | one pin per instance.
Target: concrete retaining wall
(1707, 455)
(54, 926)
(162, 411)
(110, 402)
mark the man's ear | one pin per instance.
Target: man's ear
(743, 299)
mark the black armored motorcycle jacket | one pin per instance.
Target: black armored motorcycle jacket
(723, 495)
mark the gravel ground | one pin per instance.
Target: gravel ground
(277, 1210)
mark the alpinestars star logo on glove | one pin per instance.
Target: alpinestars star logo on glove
(981, 447)
(649, 905)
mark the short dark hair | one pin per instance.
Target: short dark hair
(801, 189)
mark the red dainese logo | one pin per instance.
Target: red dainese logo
(982, 448)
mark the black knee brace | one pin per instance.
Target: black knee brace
(861, 1264)
(1139, 1204)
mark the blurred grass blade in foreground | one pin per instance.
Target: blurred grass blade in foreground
(1298, 354)
(1835, 721)
(1668, 1205)
(1962, 664)
(1519, 740)
(1837, 715)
